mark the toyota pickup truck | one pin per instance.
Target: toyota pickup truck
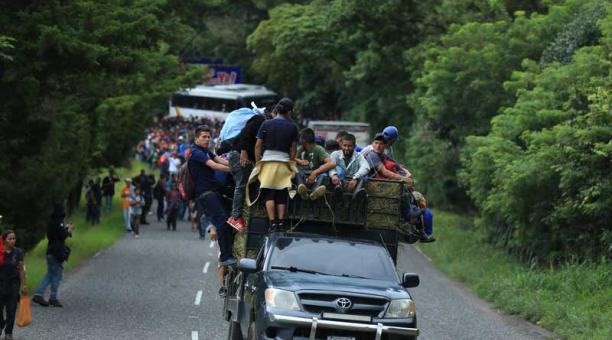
(331, 276)
(312, 286)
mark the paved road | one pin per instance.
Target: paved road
(160, 287)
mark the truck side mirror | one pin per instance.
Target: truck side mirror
(410, 280)
(247, 265)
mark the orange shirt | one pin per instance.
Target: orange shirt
(125, 193)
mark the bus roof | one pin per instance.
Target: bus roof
(233, 91)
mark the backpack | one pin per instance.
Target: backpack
(230, 132)
(186, 184)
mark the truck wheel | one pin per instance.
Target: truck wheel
(234, 332)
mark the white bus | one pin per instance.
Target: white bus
(329, 129)
(215, 102)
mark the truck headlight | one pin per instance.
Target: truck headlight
(283, 299)
(400, 309)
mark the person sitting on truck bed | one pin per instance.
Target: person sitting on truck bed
(351, 168)
(313, 166)
(391, 134)
(381, 166)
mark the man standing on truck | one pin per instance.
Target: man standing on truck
(351, 168)
(241, 160)
(202, 164)
(275, 156)
(313, 165)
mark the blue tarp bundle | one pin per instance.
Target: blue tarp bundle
(235, 122)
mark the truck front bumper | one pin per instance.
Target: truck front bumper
(315, 323)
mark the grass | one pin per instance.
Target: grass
(86, 239)
(574, 301)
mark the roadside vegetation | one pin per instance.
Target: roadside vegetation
(86, 239)
(503, 109)
(572, 299)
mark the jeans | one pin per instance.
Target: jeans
(321, 179)
(9, 298)
(160, 209)
(203, 224)
(240, 175)
(108, 202)
(126, 219)
(428, 221)
(55, 272)
(182, 209)
(214, 210)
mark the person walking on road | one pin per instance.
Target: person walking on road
(137, 201)
(12, 275)
(125, 194)
(108, 189)
(57, 253)
(159, 193)
(173, 197)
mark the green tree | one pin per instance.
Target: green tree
(460, 89)
(84, 81)
(541, 176)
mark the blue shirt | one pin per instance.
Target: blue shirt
(278, 134)
(202, 174)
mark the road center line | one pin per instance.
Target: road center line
(205, 270)
(212, 244)
(198, 298)
(194, 335)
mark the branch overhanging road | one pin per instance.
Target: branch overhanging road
(164, 286)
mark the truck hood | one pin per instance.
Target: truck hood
(329, 283)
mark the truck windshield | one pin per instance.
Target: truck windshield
(333, 257)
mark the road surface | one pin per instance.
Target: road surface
(163, 286)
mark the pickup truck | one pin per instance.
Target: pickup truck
(312, 286)
(331, 276)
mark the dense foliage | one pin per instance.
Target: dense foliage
(77, 90)
(502, 105)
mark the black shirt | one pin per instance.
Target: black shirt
(9, 270)
(248, 136)
(278, 134)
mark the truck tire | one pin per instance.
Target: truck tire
(234, 332)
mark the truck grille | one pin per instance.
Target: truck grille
(360, 305)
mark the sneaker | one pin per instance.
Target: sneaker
(303, 191)
(318, 192)
(55, 303)
(8, 337)
(40, 300)
(222, 291)
(136, 236)
(424, 238)
(237, 223)
(230, 261)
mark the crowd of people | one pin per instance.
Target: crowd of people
(270, 149)
(274, 152)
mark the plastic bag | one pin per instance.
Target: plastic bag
(24, 312)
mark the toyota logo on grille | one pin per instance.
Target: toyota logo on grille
(343, 304)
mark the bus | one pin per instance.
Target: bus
(329, 128)
(215, 102)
